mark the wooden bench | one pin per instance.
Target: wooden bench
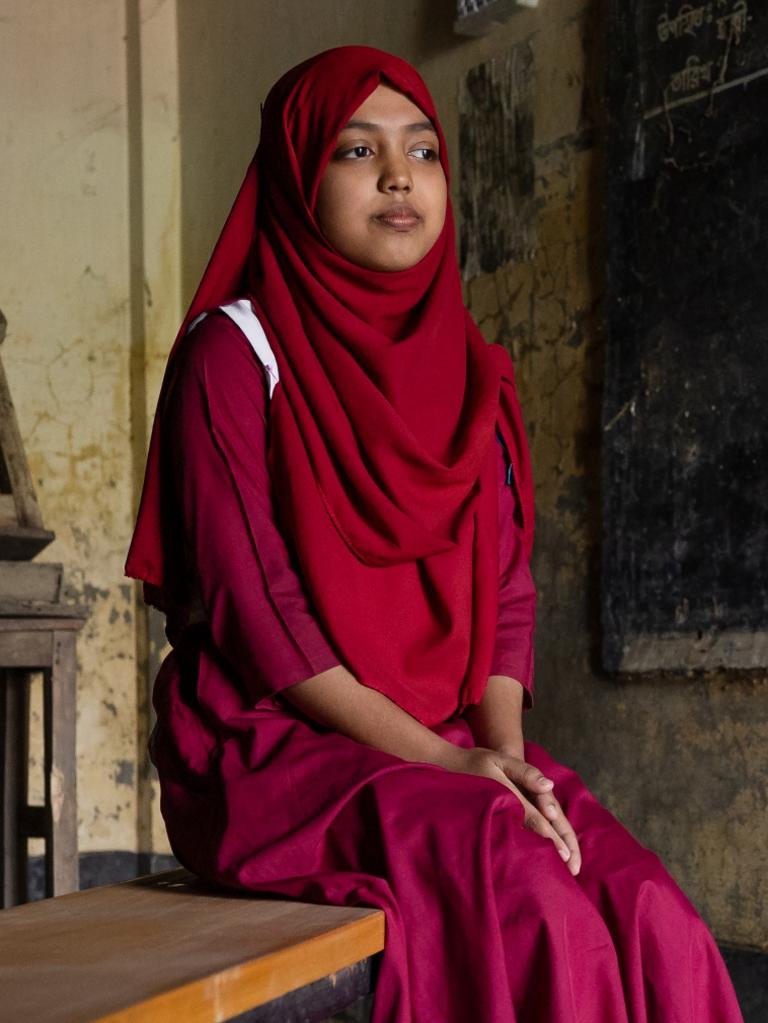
(167, 948)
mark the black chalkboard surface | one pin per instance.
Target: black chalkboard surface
(685, 419)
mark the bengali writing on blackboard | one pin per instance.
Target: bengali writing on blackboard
(689, 19)
(717, 29)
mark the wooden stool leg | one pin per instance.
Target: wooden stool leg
(59, 687)
(14, 737)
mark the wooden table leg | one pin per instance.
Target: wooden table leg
(61, 859)
(14, 745)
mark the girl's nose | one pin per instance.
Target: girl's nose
(396, 176)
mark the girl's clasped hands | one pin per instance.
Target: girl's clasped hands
(543, 813)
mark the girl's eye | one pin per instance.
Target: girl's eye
(427, 153)
(354, 152)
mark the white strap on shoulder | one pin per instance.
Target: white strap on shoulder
(241, 313)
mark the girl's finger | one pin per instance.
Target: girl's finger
(552, 810)
(536, 822)
(527, 776)
(505, 781)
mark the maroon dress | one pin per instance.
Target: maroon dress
(483, 919)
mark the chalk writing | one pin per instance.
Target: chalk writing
(717, 88)
(734, 23)
(687, 20)
(692, 75)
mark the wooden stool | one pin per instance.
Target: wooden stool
(34, 637)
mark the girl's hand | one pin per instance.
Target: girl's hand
(543, 813)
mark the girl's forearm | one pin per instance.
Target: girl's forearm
(496, 721)
(335, 699)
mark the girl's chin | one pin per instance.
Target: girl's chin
(392, 257)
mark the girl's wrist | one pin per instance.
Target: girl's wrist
(450, 756)
(496, 721)
(513, 748)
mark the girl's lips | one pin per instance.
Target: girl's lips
(399, 218)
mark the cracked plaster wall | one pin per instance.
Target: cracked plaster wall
(65, 294)
(89, 91)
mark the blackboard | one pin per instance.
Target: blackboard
(685, 426)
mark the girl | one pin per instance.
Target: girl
(337, 520)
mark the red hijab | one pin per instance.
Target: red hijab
(382, 446)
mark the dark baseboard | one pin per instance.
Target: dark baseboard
(749, 973)
(97, 868)
(748, 968)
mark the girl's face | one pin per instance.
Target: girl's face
(382, 198)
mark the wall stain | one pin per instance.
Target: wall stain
(125, 772)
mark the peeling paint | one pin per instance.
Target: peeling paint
(67, 357)
(124, 773)
(91, 593)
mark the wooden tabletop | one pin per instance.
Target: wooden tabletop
(165, 948)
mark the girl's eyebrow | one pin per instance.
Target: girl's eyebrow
(370, 126)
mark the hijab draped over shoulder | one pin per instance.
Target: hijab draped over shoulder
(382, 447)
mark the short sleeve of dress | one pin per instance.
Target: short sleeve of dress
(513, 652)
(257, 611)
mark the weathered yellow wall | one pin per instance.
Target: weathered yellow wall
(64, 290)
(89, 99)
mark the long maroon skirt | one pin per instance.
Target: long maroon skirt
(484, 922)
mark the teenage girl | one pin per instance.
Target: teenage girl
(337, 521)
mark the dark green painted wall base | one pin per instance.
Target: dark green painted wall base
(749, 973)
(102, 868)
